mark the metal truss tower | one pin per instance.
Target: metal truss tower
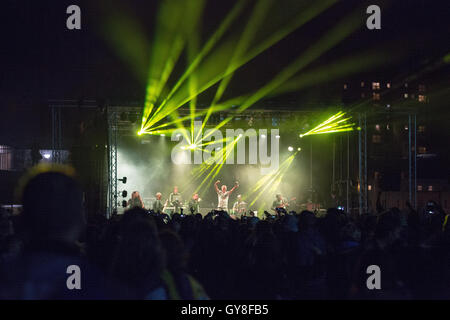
(112, 162)
(56, 134)
(362, 146)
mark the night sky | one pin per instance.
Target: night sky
(40, 59)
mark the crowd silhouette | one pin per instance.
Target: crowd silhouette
(146, 255)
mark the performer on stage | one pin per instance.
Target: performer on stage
(194, 205)
(158, 204)
(175, 200)
(239, 207)
(279, 202)
(223, 195)
(135, 201)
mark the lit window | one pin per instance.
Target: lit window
(375, 85)
(6, 157)
(377, 127)
(375, 96)
(362, 84)
(422, 98)
(422, 150)
(388, 85)
(369, 187)
(405, 95)
(421, 129)
(406, 128)
(345, 86)
(419, 188)
(376, 138)
(430, 188)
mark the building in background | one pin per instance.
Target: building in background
(390, 108)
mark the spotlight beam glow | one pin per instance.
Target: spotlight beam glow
(306, 14)
(269, 183)
(205, 50)
(332, 125)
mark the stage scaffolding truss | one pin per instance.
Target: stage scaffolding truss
(112, 162)
(124, 121)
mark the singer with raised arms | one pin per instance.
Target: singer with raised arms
(223, 195)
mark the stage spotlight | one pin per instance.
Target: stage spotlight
(299, 149)
(139, 133)
(301, 136)
(124, 180)
(47, 155)
(290, 149)
(162, 135)
(263, 136)
(277, 136)
(189, 147)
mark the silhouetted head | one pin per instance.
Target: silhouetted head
(306, 220)
(135, 194)
(52, 202)
(388, 226)
(139, 256)
(176, 254)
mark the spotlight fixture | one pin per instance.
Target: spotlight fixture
(47, 155)
(299, 149)
(124, 180)
(290, 149)
(263, 136)
(277, 136)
